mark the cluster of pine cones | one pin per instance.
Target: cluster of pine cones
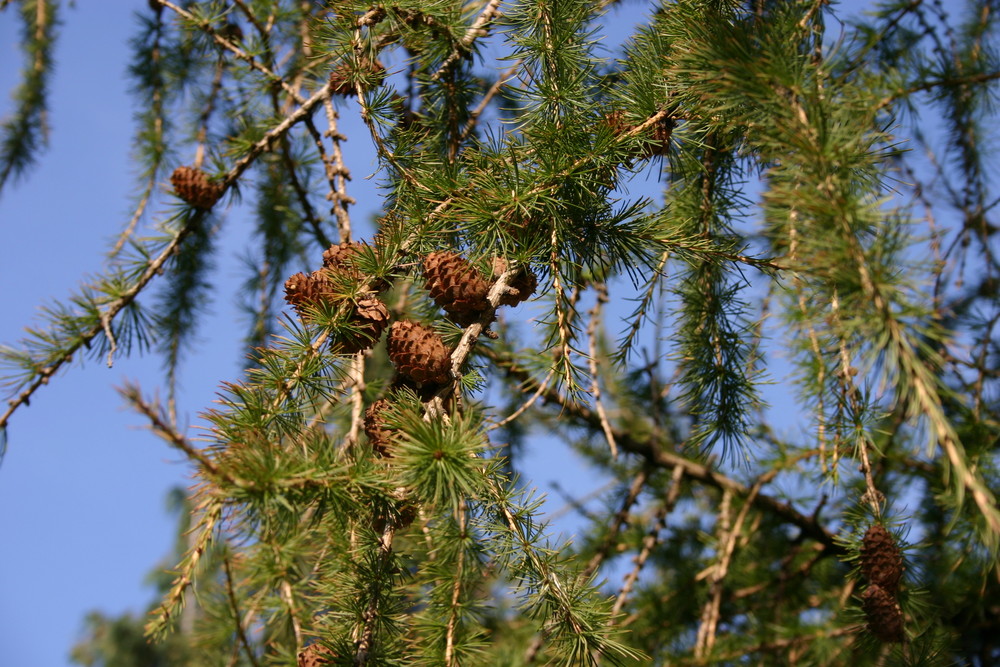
(367, 316)
(882, 566)
(419, 354)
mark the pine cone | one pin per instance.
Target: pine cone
(316, 655)
(302, 291)
(340, 78)
(192, 185)
(885, 618)
(881, 560)
(368, 320)
(418, 353)
(456, 286)
(524, 281)
(379, 437)
(660, 143)
(338, 258)
(659, 135)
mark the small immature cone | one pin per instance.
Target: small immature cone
(885, 618)
(418, 353)
(660, 143)
(456, 286)
(192, 185)
(881, 560)
(379, 437)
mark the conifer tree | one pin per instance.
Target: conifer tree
(827, 197)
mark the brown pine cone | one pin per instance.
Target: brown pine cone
(658, 142)
(338, 258)
(524, 282)
(881, 560)
(418, 353)
(368, 320)
(456, 286)
(340, 78)
(302, 291)
(316, 655)
(379, 437)
(885, 618)
(192, 185)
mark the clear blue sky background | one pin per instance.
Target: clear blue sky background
(83, 487)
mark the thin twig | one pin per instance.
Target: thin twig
(456, 591)
(210, 510)
(367, 631)
(161, 426)
(542, 386)
(234, 608)
(728, 537)
(479, 28)
(614, 530)
(649, 542)
(470, 124)
(595, 385)
(662, 454)
(235, 50)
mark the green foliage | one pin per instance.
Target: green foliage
(26, 133)
(794, 222)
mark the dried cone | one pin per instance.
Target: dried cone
(524, 281)
(456, 286)
(881, 560)
(368, 320)
(885, 618)
(316, 655)
(379, 437)
(192, 185)
(418, 353)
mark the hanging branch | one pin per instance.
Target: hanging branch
(727, 538)
(595, 385)
(479, 28)
(154, 266)
(621, 519)
(662, 454)
(649, 542)
(27, 132)
(235, 610)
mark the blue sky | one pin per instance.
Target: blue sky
(83, 486)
